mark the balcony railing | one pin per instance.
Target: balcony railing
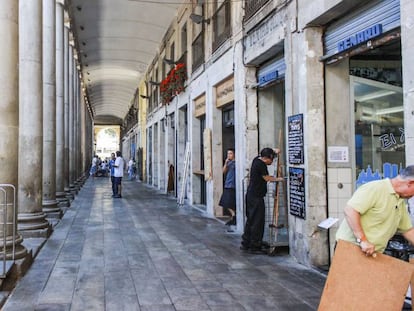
(252, 6)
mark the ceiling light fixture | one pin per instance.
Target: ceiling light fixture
(198, 19)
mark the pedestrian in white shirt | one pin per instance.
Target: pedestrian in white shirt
(118, 173)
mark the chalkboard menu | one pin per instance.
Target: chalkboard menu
(295, 139)
(297, 192)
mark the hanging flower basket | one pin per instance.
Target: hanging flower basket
(174, 83)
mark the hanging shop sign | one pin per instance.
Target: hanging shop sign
(297, 205)
(295, 139)
(363, 25)
(200, 106)
(271, 72)
(225, 92)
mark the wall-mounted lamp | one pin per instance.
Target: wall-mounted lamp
(144, 97)
(169, 61)
(154, 83)
(198, 19)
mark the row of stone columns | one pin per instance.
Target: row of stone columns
(40, 118)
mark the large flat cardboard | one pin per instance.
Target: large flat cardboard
(356, 282)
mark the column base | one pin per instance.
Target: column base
(63, 201)
(32, 225)
(52, 209)
(73, 190)
(69, 195)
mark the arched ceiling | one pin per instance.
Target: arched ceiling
(117, 39)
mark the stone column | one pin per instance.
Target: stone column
(67, 74)
(305, 78)
(9, 125)
(60, 113)
(72, 71)
(76, 132)
(83, 136)
(80, 134)
(31, 218)
(50, 204)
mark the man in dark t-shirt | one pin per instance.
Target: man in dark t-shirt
(255, 207)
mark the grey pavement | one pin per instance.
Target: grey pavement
(143, 252)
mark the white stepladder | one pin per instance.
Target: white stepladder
(180, 200)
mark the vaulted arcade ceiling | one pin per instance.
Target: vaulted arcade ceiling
(117, 39)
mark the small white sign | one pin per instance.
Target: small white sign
(338, 154)
(327, 223)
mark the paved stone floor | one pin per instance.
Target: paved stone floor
(142, 252)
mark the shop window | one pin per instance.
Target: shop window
(379, 124)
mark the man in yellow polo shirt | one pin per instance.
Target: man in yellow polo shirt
(377, 211)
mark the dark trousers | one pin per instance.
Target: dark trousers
(117, 184)
(254, 227)
(113, 185)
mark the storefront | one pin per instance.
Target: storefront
(271, 113)
(223, 136)
(363, 81)
(264, 46)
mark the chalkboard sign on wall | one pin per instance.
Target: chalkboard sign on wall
(295, 139)
(297, 192)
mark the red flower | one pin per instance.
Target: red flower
(174, 83)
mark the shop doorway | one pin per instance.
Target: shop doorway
(203, 186)
(271, 109)
(228, 142)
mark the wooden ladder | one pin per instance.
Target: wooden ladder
(280, 191)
